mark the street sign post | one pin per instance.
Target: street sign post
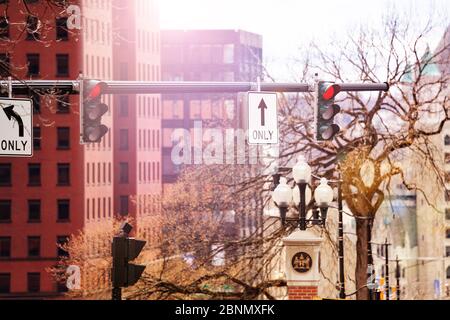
(16, 128)
(262, 118)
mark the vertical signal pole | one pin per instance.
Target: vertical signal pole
(341, 243)
(369, 256)
(386, 248)
(397, 275)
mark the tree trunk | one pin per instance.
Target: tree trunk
(363, 233)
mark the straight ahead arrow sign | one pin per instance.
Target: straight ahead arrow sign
(262, 106)
(10, 113)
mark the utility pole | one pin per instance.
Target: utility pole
(341, 243)
(369, 255)
(397, 275)
(386, 248)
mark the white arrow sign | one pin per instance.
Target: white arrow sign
(262, 118)
(16, 128)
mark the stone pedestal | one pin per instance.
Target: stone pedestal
(302, 264)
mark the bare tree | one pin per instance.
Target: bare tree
(375, 129)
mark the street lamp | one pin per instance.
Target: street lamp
(323, 196)
(282, 196)
(300, 196)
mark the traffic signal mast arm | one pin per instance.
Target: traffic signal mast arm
(148, 87)
(92, 108)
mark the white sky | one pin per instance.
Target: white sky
(287, 25)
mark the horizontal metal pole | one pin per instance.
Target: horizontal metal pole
(364, 86)
(161, 87)
(70, 86)
(129, 87)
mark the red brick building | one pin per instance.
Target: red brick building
(137, 120)
(66, 187)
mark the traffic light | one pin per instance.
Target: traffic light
(326, 110)
(92, 110)
(124, 250)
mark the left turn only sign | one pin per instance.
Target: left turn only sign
(16, 128)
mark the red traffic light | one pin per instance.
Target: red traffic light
(94, 90)
(331, 92)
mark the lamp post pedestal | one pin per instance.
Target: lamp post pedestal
(302, 265)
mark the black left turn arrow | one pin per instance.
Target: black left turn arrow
(10, 113)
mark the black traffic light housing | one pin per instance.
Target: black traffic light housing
(326, 110)
(124, 250)
(92, 110)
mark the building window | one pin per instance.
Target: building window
(34, 210)
(34, 174)
(123, 172)
(447, 214)
(32, 28)
(34, 282)
(33, 64)
(123, 205)
(63, 105)
(4, 28)
(62, 286)
(34, 247)
(447, 251)
(173, 109)
(37, 138)
(63, 174)
(5, 282)
(5, 174)
(123, 106)
(447, 195)
(123, 139)
(123, 71)
(61, 243)
(63, 142)
(36, 98)
(62, 33)
(62, 65)
(205, 54)
(63, 210)
(195, 109)
(448, 234)
(5, 211)
(447, 140)
(5, 247)
(447, 158)
(228, 53)
(216, 109)
(4, 65)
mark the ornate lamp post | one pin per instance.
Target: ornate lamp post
(300, 196)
